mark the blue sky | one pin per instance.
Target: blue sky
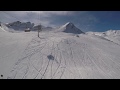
(84, 20)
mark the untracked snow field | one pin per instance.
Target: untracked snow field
(58, 56)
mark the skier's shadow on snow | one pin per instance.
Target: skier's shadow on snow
(50, 57)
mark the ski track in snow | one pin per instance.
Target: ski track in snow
(85, 61)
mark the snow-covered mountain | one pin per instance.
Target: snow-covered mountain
(106, 33)
(20, 25)
(5, 28)
(69, 28)
(111, 35)
(112, 32)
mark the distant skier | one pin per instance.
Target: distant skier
(77, 35)
(0, 24)
(2, 76)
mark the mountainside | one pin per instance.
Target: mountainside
(20, 25)
(60, 55)
(111, 35)
(5, 28)
(106, 33)
(69, 28)
(65, 56)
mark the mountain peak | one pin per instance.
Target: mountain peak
(70, 28)
(69, 25)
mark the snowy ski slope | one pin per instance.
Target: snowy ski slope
(58, 56)
(64, 56)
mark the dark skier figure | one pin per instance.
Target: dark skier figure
(2, 76)
(0, 24)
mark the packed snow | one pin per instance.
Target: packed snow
(60, 54)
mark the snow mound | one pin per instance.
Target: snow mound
(69, 28)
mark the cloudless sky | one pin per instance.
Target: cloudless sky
(107, 20)
(85, 20)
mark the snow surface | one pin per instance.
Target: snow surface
(12, 46)
(59, 55)
(111, 35)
